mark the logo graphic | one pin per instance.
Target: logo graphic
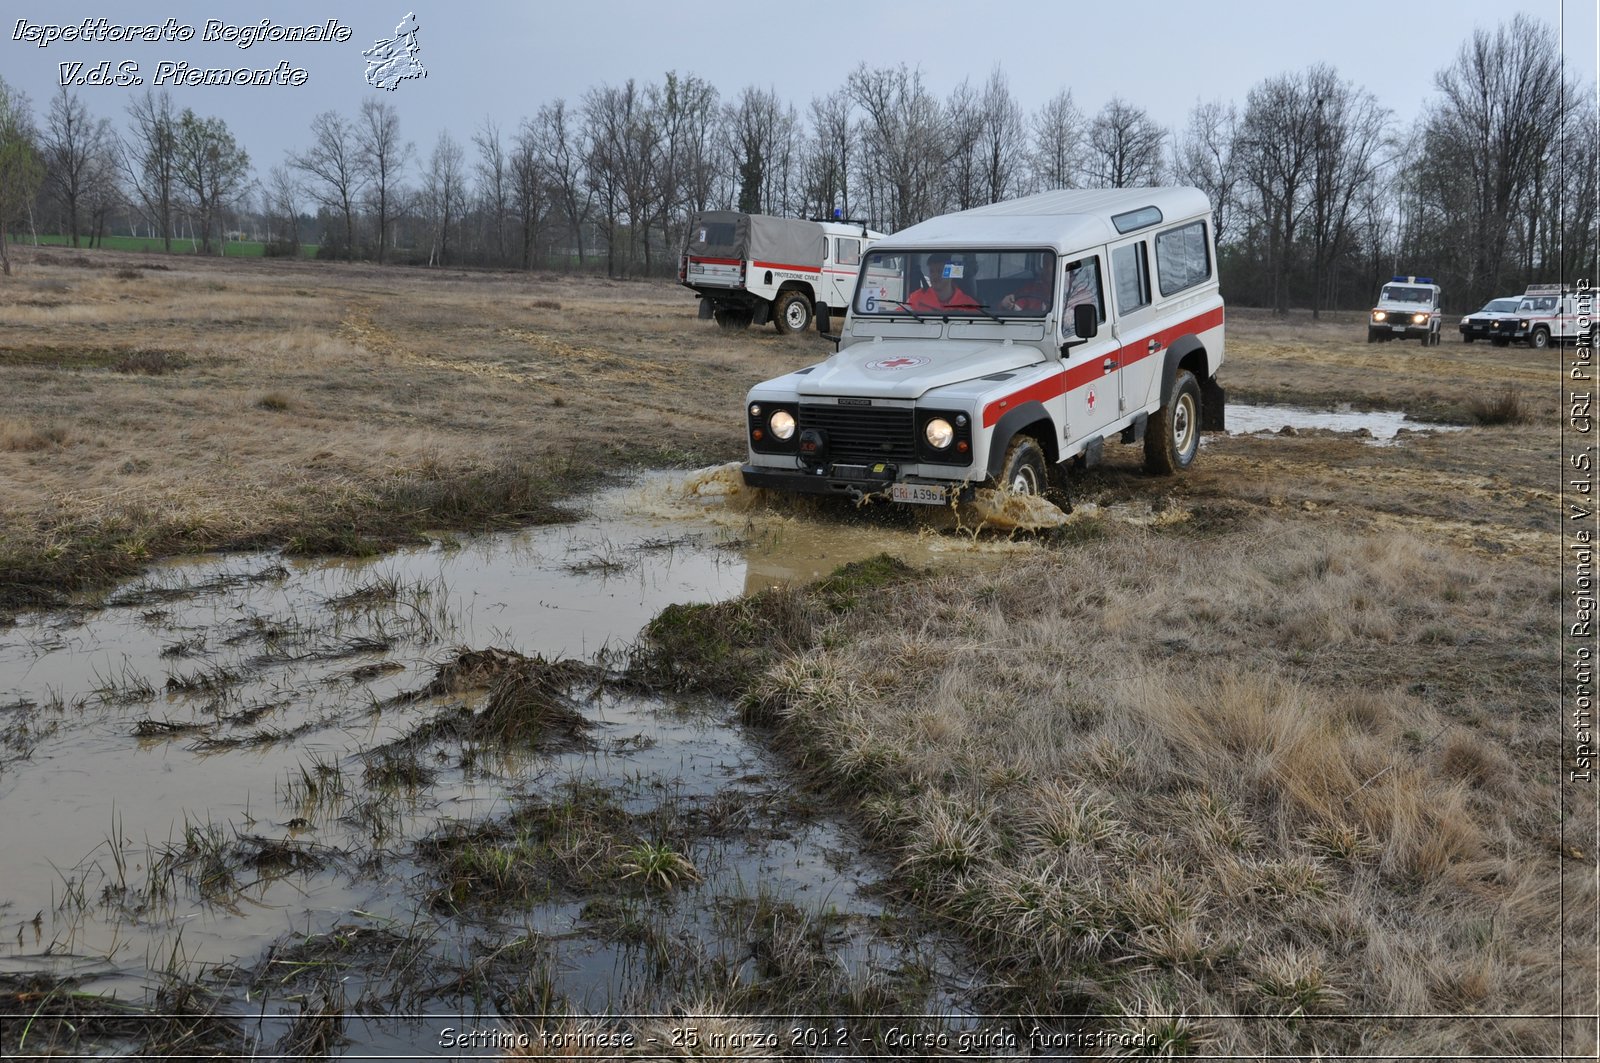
(902, 362)
(394, 60)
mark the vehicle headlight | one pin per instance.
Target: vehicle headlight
(782, 424)
(1418, 319)
(1379, 315)
(939, 433)
(1465, 320)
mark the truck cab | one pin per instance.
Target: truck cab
(999, 344)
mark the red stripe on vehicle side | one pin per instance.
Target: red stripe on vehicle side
(716, 261)
(781, 265)
(1136, 349)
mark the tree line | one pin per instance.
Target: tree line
(1319, 191)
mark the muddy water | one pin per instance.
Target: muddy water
(189, 784)
(1383, 426)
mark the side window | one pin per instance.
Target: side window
(1181, 257)
(849, 251)
(1130, 274)
(1081, 283)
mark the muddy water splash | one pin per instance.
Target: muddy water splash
(222, 754)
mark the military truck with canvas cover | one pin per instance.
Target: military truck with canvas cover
(752, 268)
(996, 344)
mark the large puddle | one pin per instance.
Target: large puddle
(1380, 427)
(243, 774)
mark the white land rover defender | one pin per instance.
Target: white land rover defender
(755, 268)
(990, 345)
(1408, 308)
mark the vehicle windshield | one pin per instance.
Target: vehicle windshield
(1545, 302)
(1400, 293)
(1500, 306)
(965, 283)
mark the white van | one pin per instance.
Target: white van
(992, 345)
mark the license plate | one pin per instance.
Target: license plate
(1398, 328)
(926, 494)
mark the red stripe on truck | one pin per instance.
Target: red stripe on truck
(781, 265)
(1133, 350)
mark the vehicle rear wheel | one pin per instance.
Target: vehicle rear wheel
(1172, 436)
(733, 320)
(1540, 338)
(791, 313)
(1468, 339)
(1024, 471)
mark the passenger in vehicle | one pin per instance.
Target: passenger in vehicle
(942, 292)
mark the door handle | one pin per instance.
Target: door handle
(1109, 364)
(1155, 345)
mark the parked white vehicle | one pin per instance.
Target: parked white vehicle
(1550, 314)
(755, 268)
(1408, 308)
(1495, 322)
(991, 345)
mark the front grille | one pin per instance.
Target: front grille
(879, 433)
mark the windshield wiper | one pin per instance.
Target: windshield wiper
(991, 313)
(904, 307)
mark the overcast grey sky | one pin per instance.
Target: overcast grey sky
(503, 60)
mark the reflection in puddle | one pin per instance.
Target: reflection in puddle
(220, 764)
(1382, 425)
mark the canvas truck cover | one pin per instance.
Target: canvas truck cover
(768, 241)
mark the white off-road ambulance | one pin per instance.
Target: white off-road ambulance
(1550, 314)
(752, 268)
(1408, 308)
(992, 345)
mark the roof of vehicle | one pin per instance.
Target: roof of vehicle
(1067, 218)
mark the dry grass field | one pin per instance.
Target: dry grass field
(1274, 775)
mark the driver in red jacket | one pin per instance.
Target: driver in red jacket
(942, 292)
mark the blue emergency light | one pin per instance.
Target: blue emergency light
(1411, 280)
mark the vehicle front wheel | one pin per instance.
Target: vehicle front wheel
(1467, 339)
(1540, 338)
(791, 313)
(1024, 470)
(1172, 436)
(734, 320)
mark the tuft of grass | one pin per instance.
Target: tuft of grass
(275, 401)
(150, 362)
(28, 437)
(1504, 407)
(658, 864)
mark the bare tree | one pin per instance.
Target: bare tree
(1002, 139)
(1502, 97)
(444, 196)
(963, 168)
(280, 206)
(337, 170)
(211, 168)
(1277, 145)
(529, 189)
(903, 134)
(1345, 135)
(21, 167)
(1124, 147)
(148, 158)
(608, 114)
(1058, 131)
(1204, 157)
(684, 108)
(761, 144)
(494, 183)
(77, 153)
(562, 155)
(380, 157)
(826, 170)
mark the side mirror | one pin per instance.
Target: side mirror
(1085, 325)
(1086, 321)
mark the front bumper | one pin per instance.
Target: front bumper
(1395, 331)
(844, 481)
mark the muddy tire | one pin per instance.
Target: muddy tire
(1540, 338)
(1500, 342)
(1172, 436)
(1467, 339)
(732, 320)
(1024, 470)
(791, 313)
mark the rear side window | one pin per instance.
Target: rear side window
(1181, 257)
(849, 251)
(1130, 275)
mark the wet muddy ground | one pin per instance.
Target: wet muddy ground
(334, 807)
(309, 791)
